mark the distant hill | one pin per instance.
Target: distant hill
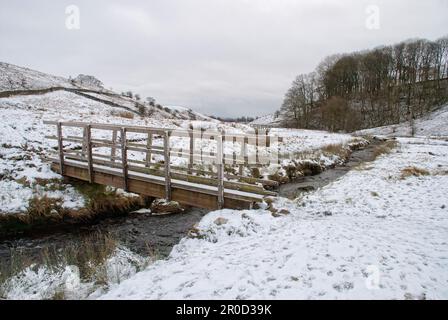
(269, 120)
(18, 81)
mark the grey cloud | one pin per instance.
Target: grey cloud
(219, 57)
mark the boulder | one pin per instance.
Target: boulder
(220, 221)
(161, 207)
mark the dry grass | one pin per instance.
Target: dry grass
(45, 212)
(384, 148)
(413, 172)
(255, 173)
(336, 149)
(89, 255)
(124, 114)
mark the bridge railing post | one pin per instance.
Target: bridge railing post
(88, 142)
(124, 158)
(60, 148)
(84, 141)
(113, 149)
(191, 155)
(148, 151)
(166, 154)
(220, 170)
(244, 156)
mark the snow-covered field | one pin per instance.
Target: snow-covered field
(370, 234)
(432, 124)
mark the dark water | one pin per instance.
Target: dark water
(309, 183)
(142, 233)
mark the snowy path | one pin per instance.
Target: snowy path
(370, 234)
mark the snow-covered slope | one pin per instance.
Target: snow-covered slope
(14, 77)
(370, 235)
(433, 124)
(187, 113)
(269, 120)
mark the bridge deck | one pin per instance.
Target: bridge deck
(193, 194)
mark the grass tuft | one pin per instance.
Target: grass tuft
(384, 148)
(413, 172)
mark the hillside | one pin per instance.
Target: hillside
(19, 81)
(13, 77)
(430, 125)
(269, 120)
(371, 88)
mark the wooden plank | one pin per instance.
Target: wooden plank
(148, 146)
(88, 141)
(196, 197)
(233, 148)
(257, 159)
(113, 149)
(220, 169)
(231, 185)
(191, 158)
(60, 148)
(166, 147)
(124, 158)
(84, 146)
(144, 150)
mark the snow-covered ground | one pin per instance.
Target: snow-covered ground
(432, 124)
(38, 282)
(268, 119)
(370, 234)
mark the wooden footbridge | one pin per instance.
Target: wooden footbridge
(140, 160)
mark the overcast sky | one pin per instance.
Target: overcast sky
(222, 57)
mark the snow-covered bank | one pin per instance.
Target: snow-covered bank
(371, 234)
(433, 124)
(39, 282)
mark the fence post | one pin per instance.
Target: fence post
(220, 169)
(166, 153)
(191, 159)
(124, 158)
(244, 154)
(84, 142)
(60, 148)
(234, 152)
(148, 151)
(257, 157)
(88, 142)
(113, 149)
(202, 137)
